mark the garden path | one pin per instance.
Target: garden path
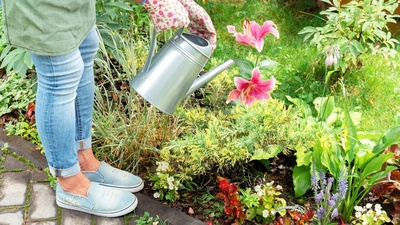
(27, 198)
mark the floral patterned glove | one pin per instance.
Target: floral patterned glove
(167, 14)
(200, 22)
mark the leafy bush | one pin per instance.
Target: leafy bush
(227, 139)
(354, 29)
(16, 93)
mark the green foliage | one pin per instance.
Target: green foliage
(126, 131)
(15, 59)
(344, 149)
(119, 18)
(363, 161)
(356, 28)
(52, 180)
(165, 182)
(228, 139)
(264, 203)
(15, 93)
(147, 219)
(24, 129)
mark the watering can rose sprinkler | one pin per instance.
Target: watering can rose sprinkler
(172, 74)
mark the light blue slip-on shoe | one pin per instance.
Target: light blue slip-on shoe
(112, 177)
(101, 201)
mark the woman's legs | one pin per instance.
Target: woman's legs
(84, 104)
(64, 107)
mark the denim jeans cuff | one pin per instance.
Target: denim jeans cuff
(84, 144)
(65, 172)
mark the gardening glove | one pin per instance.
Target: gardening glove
(167, 14)
(200, 22)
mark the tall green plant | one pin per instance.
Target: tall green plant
(126, 130)
(354, 29)
(117, 19)
(365, 168)
(344, 150)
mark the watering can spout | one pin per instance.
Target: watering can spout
(205, 78)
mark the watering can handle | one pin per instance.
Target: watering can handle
(152, 46)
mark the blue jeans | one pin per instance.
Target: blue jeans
(64, 105)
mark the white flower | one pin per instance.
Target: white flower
(358, 208)
(368, 206)
(170, 180)
(358, 214)
(257, 188)
(260, 193)
(332, 56)
(378, 207)
(265, 213)
(162, 166)
(279, 187)
(156, 195)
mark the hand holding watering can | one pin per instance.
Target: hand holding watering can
(170, 14)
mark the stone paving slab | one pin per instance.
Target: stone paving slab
(12, 217)
(42, 204)
(14, 187)
(26, 198)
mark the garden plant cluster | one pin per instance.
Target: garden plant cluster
(319, 88)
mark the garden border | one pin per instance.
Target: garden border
(28, 151)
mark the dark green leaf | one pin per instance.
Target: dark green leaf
(301, 180)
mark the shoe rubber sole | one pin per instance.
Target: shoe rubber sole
(118, 213)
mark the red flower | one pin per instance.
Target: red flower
(223, 184)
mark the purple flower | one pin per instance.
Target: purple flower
(330, 181)
(321, 212)
(331, 202)
(334, 197)
(335, 213)
(323, 178)
(314, 180)
(342, 186)
(319, 196)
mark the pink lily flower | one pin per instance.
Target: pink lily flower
(249, 90)
(253, 33)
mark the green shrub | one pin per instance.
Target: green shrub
(354, 29)
(223, 140)
(15, 93)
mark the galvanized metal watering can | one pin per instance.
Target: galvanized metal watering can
(172, 74)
